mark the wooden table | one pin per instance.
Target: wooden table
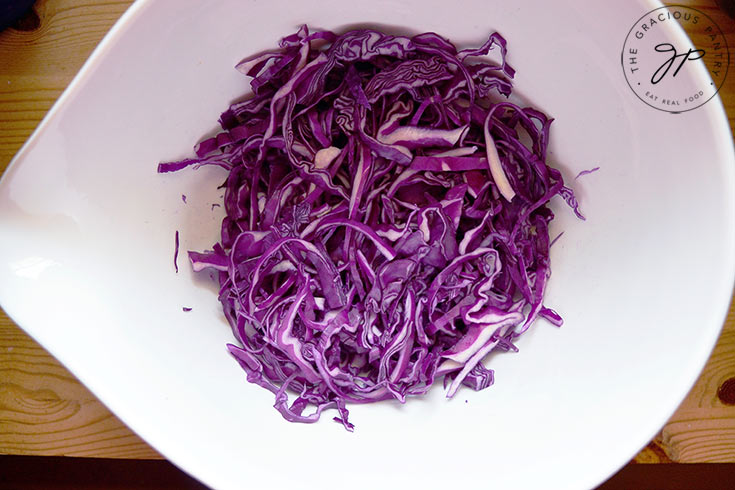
(44, 410)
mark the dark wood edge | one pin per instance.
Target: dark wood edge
(69, 473)
(673, 476)
(58, 472)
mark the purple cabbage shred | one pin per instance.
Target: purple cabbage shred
(387, 219)
(176, 251)
(586, 172)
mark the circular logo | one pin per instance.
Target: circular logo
(666, 69)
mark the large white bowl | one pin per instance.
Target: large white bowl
(87, 236)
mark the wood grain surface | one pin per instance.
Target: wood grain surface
(44, 410)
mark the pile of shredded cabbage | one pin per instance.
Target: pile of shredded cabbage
(386, 224)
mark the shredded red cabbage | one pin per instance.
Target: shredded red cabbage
(176, 251)
(585, 172)
(385, 223)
